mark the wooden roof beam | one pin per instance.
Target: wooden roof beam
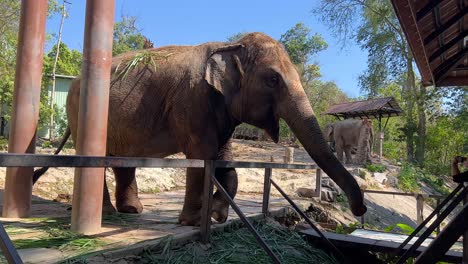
(449, 65)
(452, 21)
(427, 9)
(452, 81)
(449, 45)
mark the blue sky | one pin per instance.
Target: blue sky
(192, 22)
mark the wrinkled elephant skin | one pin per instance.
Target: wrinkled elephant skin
(190, 98)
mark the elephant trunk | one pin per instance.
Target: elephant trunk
(300, 117)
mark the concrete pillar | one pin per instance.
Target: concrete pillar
(92, 118)
(26, 97)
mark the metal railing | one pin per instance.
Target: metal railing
(35, 160)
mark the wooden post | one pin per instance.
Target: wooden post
(318, 183)
(381, 138)
(205, 221)
(419, 208)
(289, 155)
(266, 191)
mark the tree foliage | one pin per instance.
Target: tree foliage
(434, 126)
(127, 36)
(10, 11)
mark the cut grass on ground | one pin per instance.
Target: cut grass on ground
(237, 245)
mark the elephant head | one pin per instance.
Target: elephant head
(260, 85)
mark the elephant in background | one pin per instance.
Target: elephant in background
(350, 134)
(192, 102)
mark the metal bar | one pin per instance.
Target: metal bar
(307, 219)
(438, 213)
(465, 236)
(266, 191)
(205, 222)
(246, 221)
(8, 249)
(402, 193)
(442, 243)
(36, 160)
(429, 218)
(240, 164)
(26, 97)
(93, 114)
(433, 226)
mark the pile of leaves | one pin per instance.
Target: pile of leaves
(238, 245)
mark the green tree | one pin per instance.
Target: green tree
(68, 63)
(127, 36)
(10, 11)
(373, 25)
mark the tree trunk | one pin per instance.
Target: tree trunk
(421, 143)
(409, 95)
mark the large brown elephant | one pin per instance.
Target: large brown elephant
(190, 98)
(346, 136)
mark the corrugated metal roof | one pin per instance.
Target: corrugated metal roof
(373, 108)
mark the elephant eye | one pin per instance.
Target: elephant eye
(273, 80)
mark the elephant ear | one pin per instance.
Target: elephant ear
(329, 132)
(224, 69)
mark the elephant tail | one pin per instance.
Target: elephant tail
(39, 172)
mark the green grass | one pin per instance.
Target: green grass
(54, 233)
(144, 58)
(408, 178)
(238, 245)
(375, 167)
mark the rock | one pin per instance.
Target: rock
(328, 195)
(392, 181)
(380, 177)
(40, 255)
(329, 183)
(305, 192)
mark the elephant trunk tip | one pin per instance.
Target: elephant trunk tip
(358, 210)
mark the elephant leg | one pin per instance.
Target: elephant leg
(227, 177)
(191, 214)
(347, 150)
(107, 207)
(339, 151)
(126, 191)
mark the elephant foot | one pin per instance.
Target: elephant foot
(189, 219)
(130, 207)
(220, 211)
(108, 209)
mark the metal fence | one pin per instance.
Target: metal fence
(209, 166)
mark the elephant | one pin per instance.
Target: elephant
(190, 99)
(347, 134)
